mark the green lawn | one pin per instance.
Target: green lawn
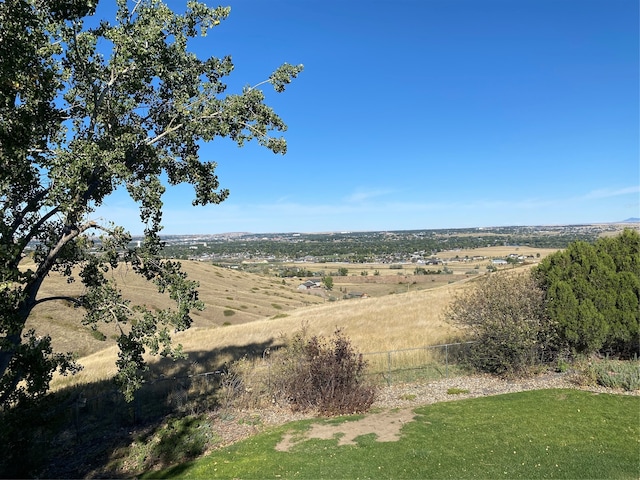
(536, 434)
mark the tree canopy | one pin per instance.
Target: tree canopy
(87, 108)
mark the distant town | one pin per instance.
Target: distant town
(375, 246)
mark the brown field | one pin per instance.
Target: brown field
(402, 311)
(389, 280)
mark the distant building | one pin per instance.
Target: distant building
(309, 284)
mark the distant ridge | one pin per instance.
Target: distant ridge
(631, 220)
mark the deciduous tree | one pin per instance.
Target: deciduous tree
(328, 282)
(504, 315)
(86, 109)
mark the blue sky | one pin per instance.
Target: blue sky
(422, 114)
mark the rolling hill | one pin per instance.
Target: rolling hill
(246, 313)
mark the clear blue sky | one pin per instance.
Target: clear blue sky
(421, 114)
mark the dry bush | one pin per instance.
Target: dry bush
(308, 373)
(324, 375)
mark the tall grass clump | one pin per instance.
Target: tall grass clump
(245, 384)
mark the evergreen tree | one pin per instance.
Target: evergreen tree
(593, 292)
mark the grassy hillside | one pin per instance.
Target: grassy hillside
(245, 313)
(231, 297)
(399, 321)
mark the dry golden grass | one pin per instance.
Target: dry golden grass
(392, 322)
(230, 297)
(265, 309)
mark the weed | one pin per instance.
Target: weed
(456, 391)
(252, 420)
(408, 396)
(562, 365)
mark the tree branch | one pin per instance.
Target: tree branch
(151, 141)
(59, 297)
(71, 232)
(32, 206)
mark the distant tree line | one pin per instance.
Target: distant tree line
(372, 246)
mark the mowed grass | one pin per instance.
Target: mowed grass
(536, 434)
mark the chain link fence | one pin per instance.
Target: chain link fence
(199, 393)
(423, 363)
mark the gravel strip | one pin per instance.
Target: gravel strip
(234, 425)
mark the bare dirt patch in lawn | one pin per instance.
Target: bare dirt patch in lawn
(385, 425)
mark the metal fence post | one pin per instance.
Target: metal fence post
(389, 367)
(446, 361)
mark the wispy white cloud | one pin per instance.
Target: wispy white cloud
(363, 195)
(607, 192)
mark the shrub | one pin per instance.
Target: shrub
(98, 335)
(505, 316)
(616, 374)
(327, 375)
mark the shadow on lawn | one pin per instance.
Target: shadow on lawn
(81, 431)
